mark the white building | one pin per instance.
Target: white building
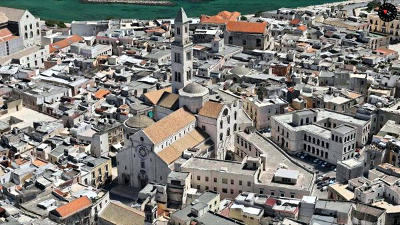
(91, 51)
(22, 23)
(220, 121)
(261, 111)
(88, 28)
(324, 134)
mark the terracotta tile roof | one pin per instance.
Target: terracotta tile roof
(5, 32)
(59, 193)
(155, 30)
(211, 109)
(154, 96)
(169, 125)
(295, 21)
(302, 27)
(175, 150)
(270, 201)
(168, 100)
(221, 18)
(65, 43)
(246, 27)
(39, 163)
(353, 95)
(6, 35)
(101, 93)
(385, 51)
(73, 207)
(20, 161)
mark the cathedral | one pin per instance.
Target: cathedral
(189, 122)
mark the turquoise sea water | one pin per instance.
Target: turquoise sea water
(68, 10)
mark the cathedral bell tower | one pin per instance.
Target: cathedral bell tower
(181, 53)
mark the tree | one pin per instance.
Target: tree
(372, 5)
(53, 23)
(260, 92)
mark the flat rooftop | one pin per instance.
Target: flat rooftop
(275, 160)
(217, 165)
(27, 116)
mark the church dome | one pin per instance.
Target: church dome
(195, 88)
(140, 121)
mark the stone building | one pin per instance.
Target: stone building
(22, 23)
(9, 43)
(249, 35)
(75, 212)
(324, 134)
(220, 121)
(149, 155)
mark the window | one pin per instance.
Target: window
(272, 193)
(215, 180)
(215, 189)
(230, 40)
(206, 179)
(220, 136)
(177, 57)
(189, 55)
(224, 180)
(258, 43)
(240, 182)
(248, 184)
(178, 31)
(142, 165)
(198, 177)
(244, 41)
(224, 190)
(232, 182)
(207, 188)
(232, 191)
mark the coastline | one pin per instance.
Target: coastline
(133, 2)
(66, 10)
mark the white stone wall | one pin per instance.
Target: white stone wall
(29, 30)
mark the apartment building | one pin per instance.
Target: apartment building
(261, 111)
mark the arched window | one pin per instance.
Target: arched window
(235, 115)
(234, 127)
(220, 136)
(225, 112)
(228, 132)
(221, 124)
